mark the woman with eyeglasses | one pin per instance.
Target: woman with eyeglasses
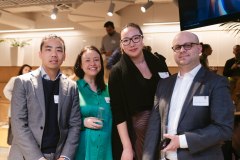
(132, 85)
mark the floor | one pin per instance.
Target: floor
(4, 153)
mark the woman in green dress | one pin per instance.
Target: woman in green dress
(95, 137)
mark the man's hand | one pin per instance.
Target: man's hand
(174, 144)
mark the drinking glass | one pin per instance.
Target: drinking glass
(100, 115)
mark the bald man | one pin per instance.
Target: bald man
(192, 108)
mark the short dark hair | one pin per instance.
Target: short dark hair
(52, 36)
(80, 73)
(109, 24)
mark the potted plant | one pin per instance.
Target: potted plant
(17, 51)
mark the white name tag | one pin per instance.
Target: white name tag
(163, 74)
(56, 99)
(107, 99)
(200, 100)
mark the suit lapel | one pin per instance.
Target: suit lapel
(197, 82)
(38, 87)
(164, 103)
(63, 88)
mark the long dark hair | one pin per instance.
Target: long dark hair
(80, 73)
(20, 72)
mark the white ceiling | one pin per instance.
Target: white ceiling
(27, 14)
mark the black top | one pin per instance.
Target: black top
(51, 132)
(228, 72)
(131, 93)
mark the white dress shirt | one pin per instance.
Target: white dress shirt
(181, 89)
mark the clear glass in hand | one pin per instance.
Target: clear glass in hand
(100, 115)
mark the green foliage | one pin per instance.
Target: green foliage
(18, 43)
(232, 26)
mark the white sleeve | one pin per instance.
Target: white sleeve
(183, 141)
(8, 89)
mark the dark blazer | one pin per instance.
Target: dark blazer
(28, 117)
(205, 127)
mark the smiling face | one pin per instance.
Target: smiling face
(133, 49)
(90, 63)
(188, 58)
(52, 54)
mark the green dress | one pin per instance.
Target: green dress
(94, 144)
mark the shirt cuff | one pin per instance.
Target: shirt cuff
(183, 141)
(65, 157)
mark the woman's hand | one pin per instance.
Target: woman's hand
(92, 123)
(127, 154)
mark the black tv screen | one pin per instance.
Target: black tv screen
(199, 13)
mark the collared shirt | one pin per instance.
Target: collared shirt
(110, 43)
(181, 89)
(97, 143)
(46, 76)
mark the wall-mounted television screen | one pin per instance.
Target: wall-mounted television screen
(199, 13)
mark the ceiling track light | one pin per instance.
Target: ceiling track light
(146, 6)
(111, 9)
(54, 13)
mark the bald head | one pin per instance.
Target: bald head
(185, 37)
(187, 50)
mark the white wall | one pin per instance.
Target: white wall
(74, 41)
(222, 42)
(158, 37)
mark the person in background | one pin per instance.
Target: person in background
(232, 71)
(110, 42)
(206, 51)
(7, 91)
(95, 139)
(193, 110)
(159, 56)
(114, 58)
(132, 85)
(45, 110)
(232, 66)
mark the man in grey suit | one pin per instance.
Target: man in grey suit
(193, 109)
(45, 109)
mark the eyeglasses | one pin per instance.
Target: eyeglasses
(135, 39)
(186, 46)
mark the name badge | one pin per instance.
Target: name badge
(107, 99)
(56, 99)
(200, 100)
(163, 74)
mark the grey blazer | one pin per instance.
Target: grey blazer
(205, 127)
(28, 117)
